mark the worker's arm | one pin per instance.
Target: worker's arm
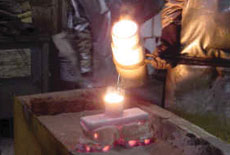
(170, 39)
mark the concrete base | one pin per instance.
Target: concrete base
(130, 115)
(201, 95)
(50, 124)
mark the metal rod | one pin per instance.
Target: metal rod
(164, 90)
(187, 60)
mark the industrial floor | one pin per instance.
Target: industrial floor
(8, 89)
(6, 146)
(6, 137)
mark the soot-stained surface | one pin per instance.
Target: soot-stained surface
(66, 128)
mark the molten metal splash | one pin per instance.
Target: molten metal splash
(107, 148)
(134, 143)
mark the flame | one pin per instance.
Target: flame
(113, 97)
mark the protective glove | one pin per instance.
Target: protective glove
(156, 58)
(170, 46)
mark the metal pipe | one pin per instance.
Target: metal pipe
(199, 61)
(187, 60)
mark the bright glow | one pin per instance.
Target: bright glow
(125, 43)
(126, 48)
(132, 143)
(113, 97)
(106, 149)
(114, 100)
(125, 28)
(129, 57)
(87, 149)
(147, 141)
(95, 136)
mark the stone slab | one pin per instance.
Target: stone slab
(129, 115)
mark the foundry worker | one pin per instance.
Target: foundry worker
(196, 28)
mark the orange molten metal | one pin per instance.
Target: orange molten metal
(125, 39)
(113, 97)
(128, 54)
(95, 136)
(114, 101)
(147, 141)
(106, 149)
(132, 143)
(87, 149)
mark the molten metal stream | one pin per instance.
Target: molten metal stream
(118, 82)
